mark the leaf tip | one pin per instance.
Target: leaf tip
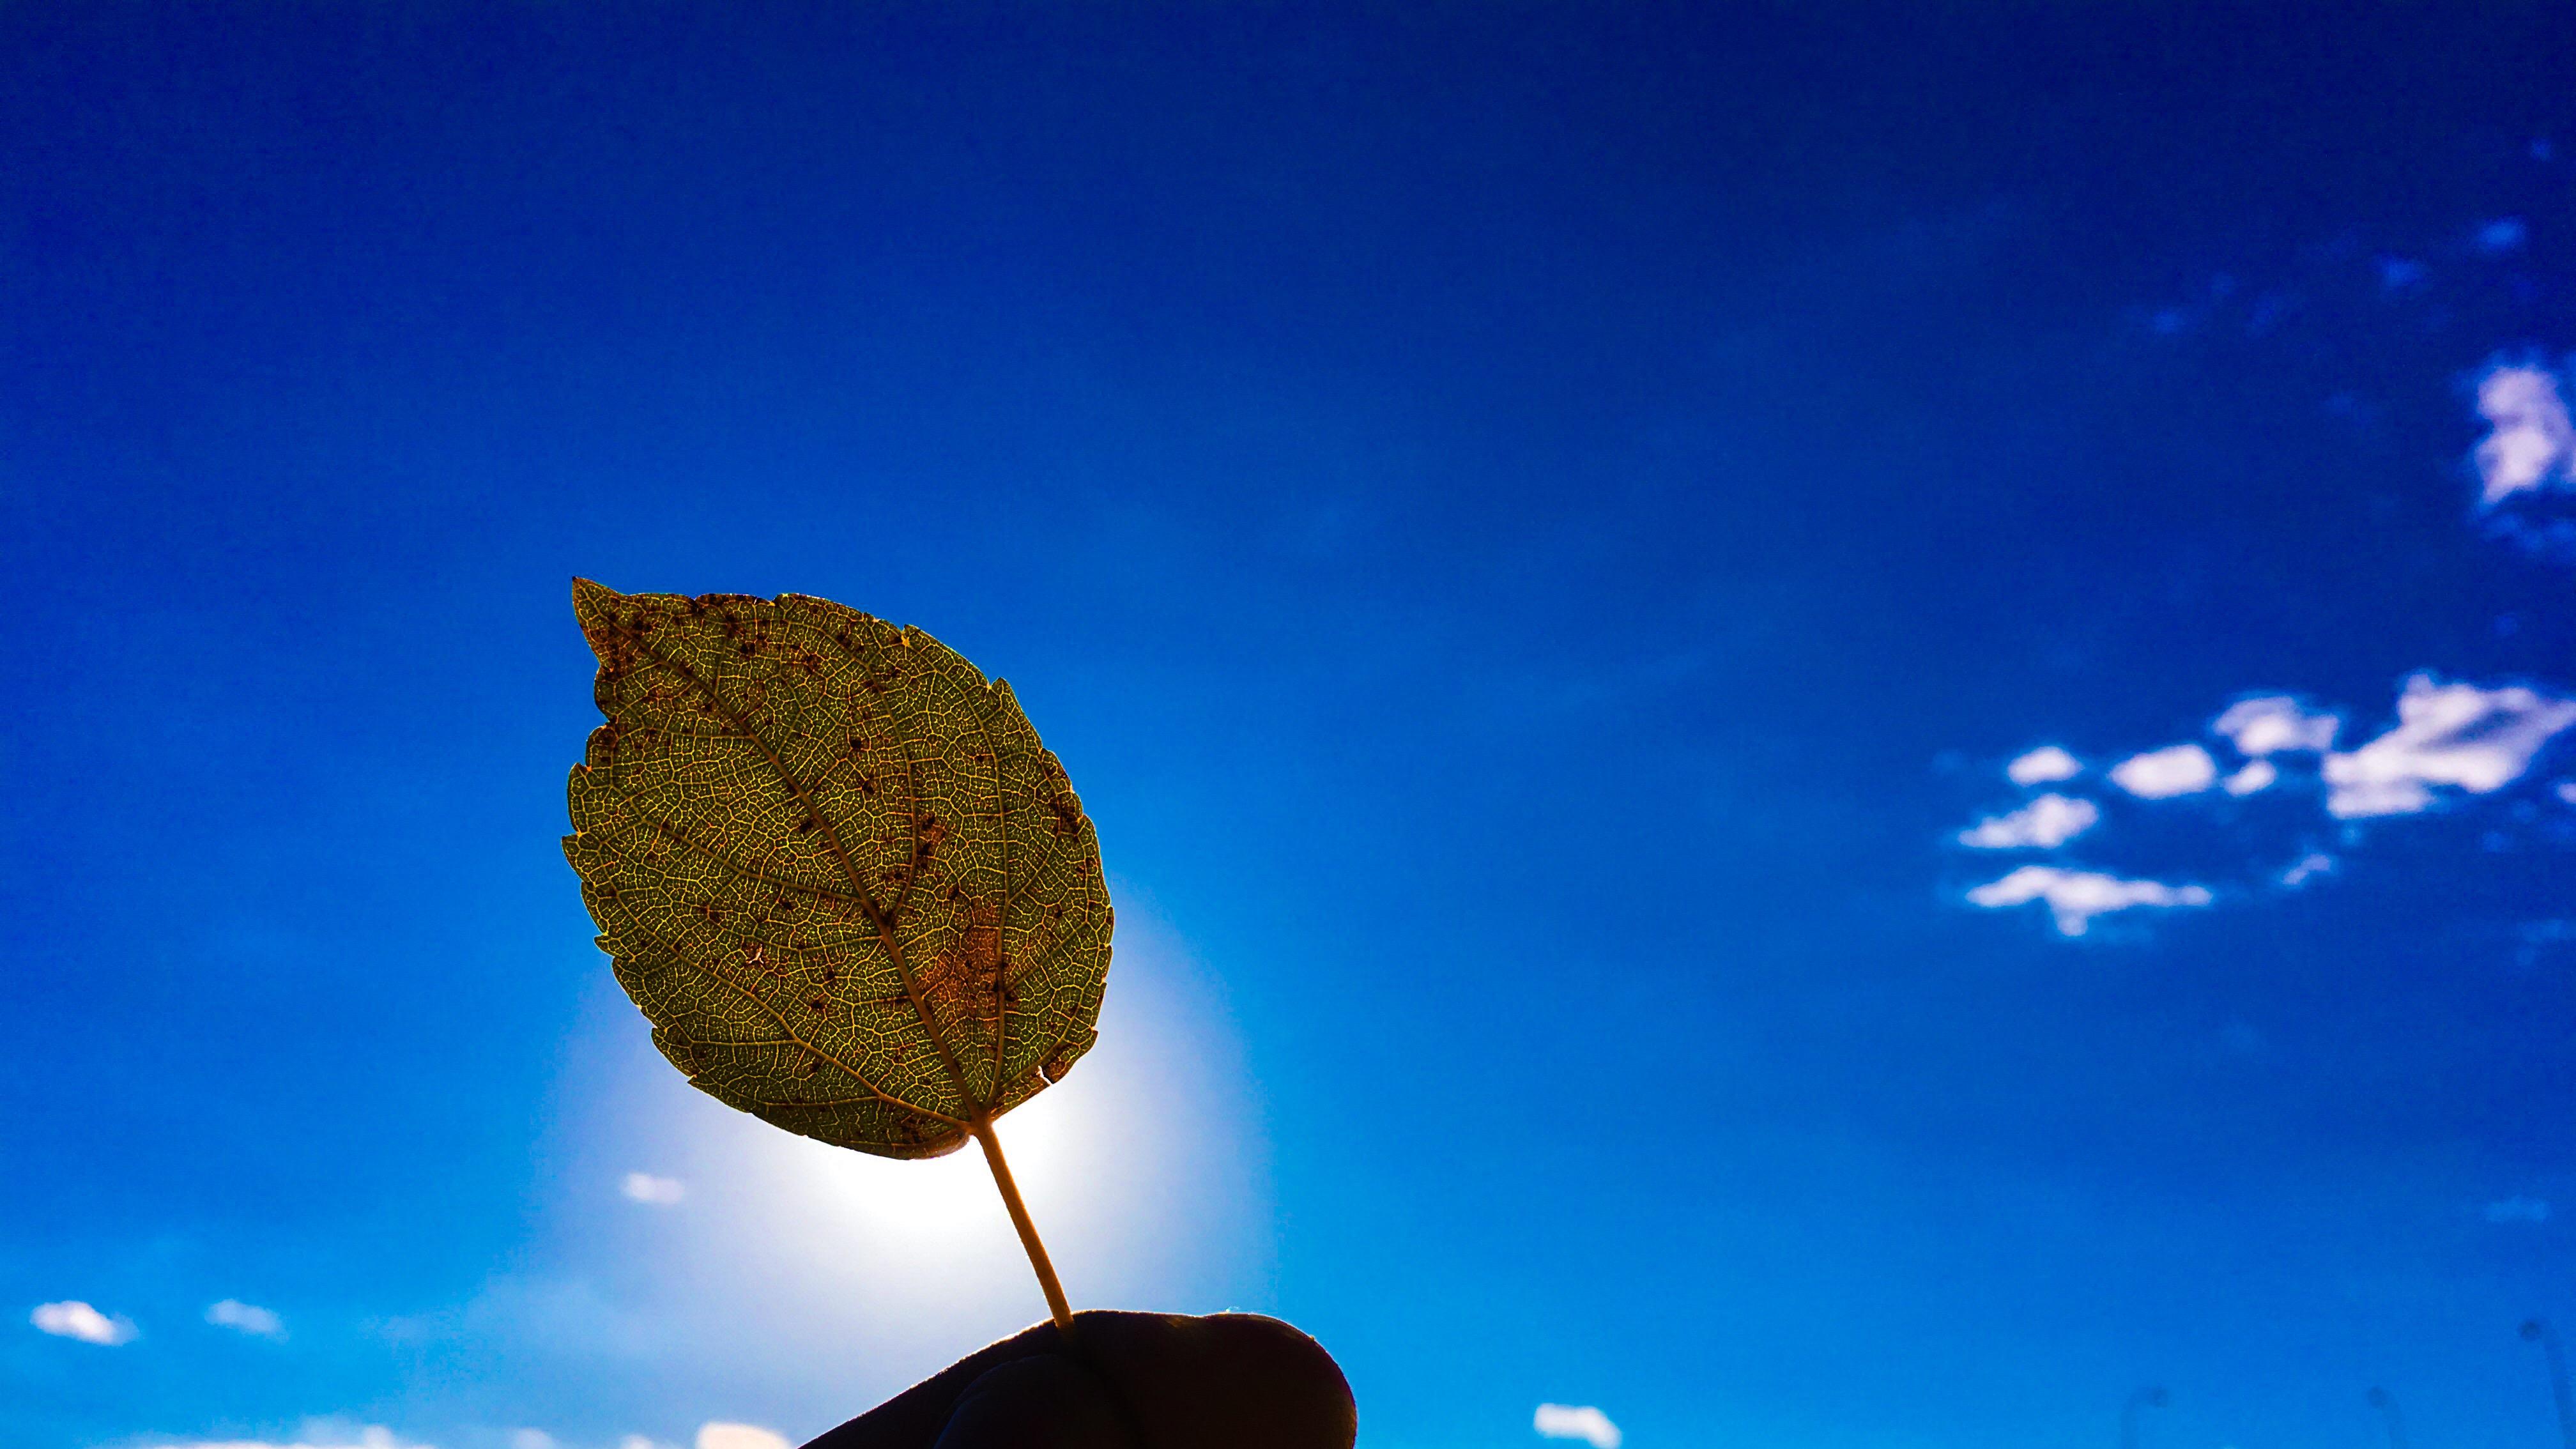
(592, 601)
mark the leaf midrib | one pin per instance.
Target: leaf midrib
(977, 1111)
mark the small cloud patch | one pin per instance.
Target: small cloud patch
(2257, 775)
(2044, 823)
(2272, 723)
(72, 1318)
(2163, 774)
(246, 1317)
(1566, 1421)
(739, 1436)
(2477, 740)
(659, 1191)
(2308, 866)
(2075, 897)
(2531, 443)
(2042, 765)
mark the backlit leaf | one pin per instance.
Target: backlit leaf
(834, 866)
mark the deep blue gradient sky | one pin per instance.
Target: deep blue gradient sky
(1533, 528)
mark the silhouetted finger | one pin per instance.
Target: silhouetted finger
(1046, 1401)
(1227, 1381)
(1131, 1381)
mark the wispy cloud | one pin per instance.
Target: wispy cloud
(2075, 897)
(248, 1318)
(2517, 1210)
(638, 1441)
(371, 1436)
(739, 1436)
(2478, 740)
(2306, 867)
(659, 1191)
(2042, 765)
(72, 1318)
(2531, 442)
(2045, 823)
(1565, 1421)
(531, 1439)
(2163, 774)
(2275, 722)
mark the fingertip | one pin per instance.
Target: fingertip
(1237, 1380)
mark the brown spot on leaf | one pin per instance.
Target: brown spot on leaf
(1067, 813)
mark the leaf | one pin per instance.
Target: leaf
(834, 866)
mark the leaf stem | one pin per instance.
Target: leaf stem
(1056, 1305)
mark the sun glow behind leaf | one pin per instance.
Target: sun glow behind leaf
(802, 1275)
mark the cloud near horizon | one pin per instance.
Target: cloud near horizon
(1567, 1421)
(72, 1318)
(321, 1436)
(739, 1436)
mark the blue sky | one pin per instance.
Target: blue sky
(1544, 537)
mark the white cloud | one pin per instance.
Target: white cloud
(372, 1436)
(2446, 734)
(2257, 775)
(638, 1441)
(2042, 765)
(2518, 1210)
(2565, 790)
(2162, 774)
(2047, 822)
(75, 1319)
(2275, 722)
(531, 1439)
(659, 1191)
(1563, 1421)
(2311, 864)
(2077, 896)
(738, 1436)
(2532, 444)
(233, 1313)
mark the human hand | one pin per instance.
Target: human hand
(1128, 1381)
